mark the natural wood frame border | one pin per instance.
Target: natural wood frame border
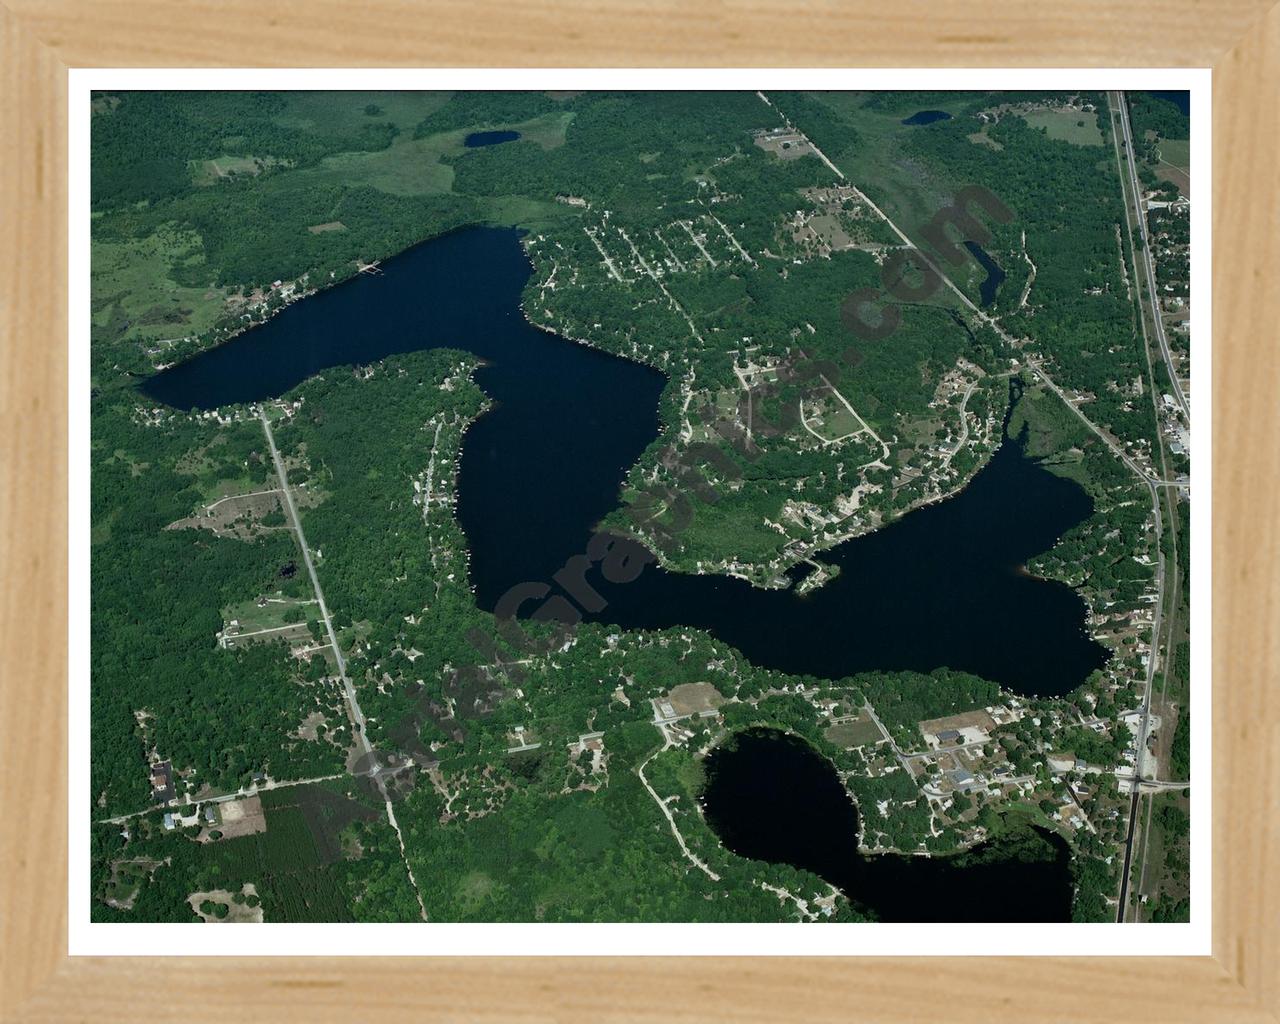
(40, 39)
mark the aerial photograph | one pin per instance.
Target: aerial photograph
(655, 506)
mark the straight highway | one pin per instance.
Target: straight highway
(1153, 483)
(1142, 253)
(1135, 222)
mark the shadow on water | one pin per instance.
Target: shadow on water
(770, 796)
(942, 587)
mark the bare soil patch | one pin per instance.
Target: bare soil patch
(965, 720)
(238, 818)
(1162, 742)
(237, 515)
(694, 698)
(983, 139)
(784, 144)
(205, 904)
(127, 876)
(309, 729)
(210, 172)
(1178, 177)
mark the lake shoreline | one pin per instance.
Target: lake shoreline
(567, 425)
(770, 795)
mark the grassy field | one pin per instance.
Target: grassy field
(909, 192)
(837, 421)
(210, 172)
(983, 139)
(294, 635)
(215, 489)
(1053, 433)
(533, 214)
(1078, 127)
(1175, 163)
(1176, 152)
(408, 167)
(278, 611)
(134, 291)
(415, 167)
(346, 111)
(220, 468)
(547, 131)
(154, 266)
(858, 733)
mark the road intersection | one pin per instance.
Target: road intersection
(367, 753)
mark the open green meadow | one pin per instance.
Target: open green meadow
(1078, 127)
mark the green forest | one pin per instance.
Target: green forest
(533, 784)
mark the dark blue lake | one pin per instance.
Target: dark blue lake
(770, 796)
(995, 276)
(1179, 98)
(927, 117)
(944, 586)
(477, 139)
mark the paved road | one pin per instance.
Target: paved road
(1144, 727)
(1153, 484)
(1126, 165)
(1120, 453)
(981, 314)
(353, 704)
(690, 856)
(230, 497)
(1129, 165)
(893, 744)
(1128, 855)
(1160, 785)
(964, 426)
(244, 791)
(349, 691)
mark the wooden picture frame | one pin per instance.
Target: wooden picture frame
(41, 39)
